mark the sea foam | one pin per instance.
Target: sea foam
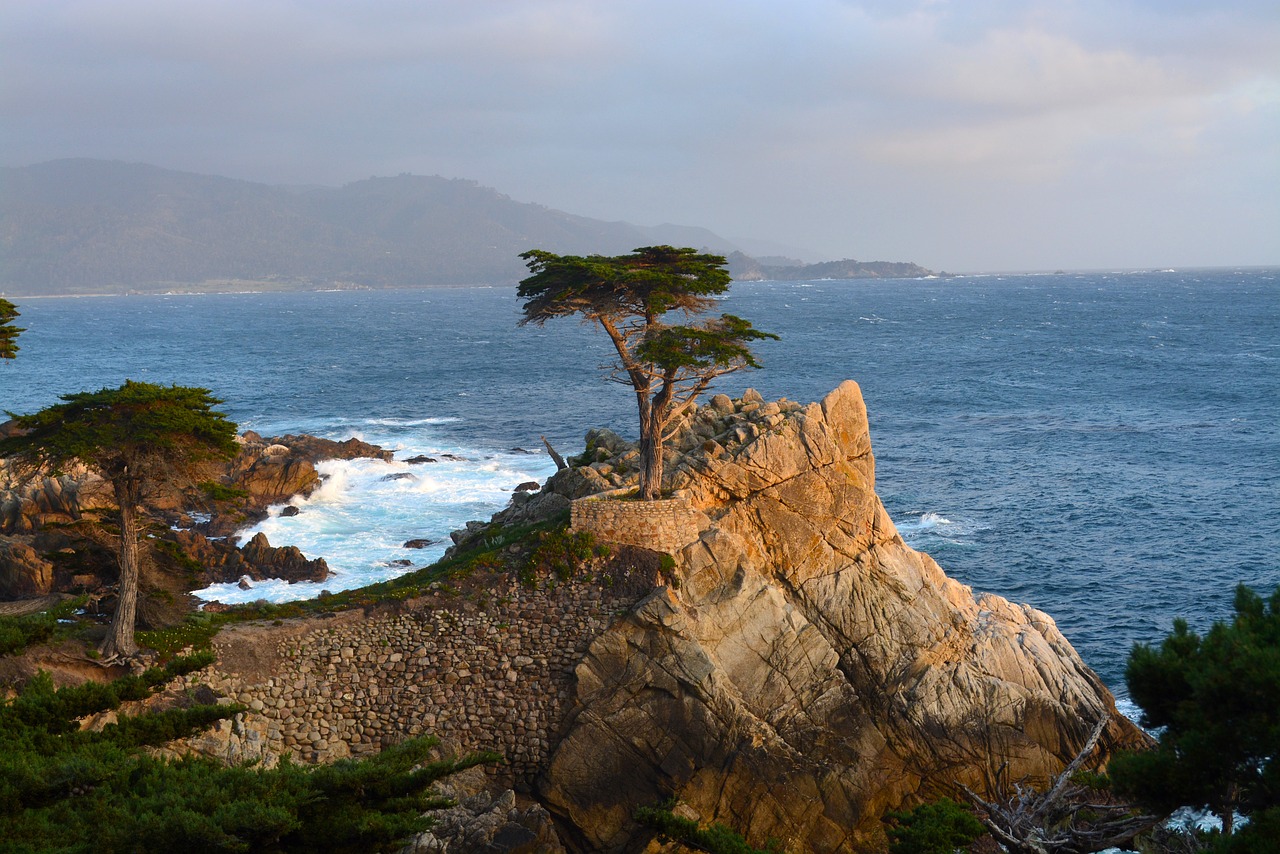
(365, 510)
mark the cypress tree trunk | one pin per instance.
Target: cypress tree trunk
(650, 458)
(120, 642)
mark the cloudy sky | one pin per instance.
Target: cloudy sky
(965, 135)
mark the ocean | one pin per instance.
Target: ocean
(1102, 446)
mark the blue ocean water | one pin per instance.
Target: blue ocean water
(1103, 446)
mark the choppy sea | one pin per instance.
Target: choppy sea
(1103, 446)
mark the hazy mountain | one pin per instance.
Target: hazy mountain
(92, 226)
(76, 226)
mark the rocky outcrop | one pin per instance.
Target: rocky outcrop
(315, 449)
(809, 670)
(29, 503)
(220, 560)
(59, 514)
(483, 821)
(23, 573)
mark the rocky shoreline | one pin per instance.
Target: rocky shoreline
(56, 533)
(782, 663)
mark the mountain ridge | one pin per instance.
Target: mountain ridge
(91, 226)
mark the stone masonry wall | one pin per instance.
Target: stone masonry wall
(663, 526)
(491, 673)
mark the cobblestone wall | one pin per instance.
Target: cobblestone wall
(663, 526)
(492, 673)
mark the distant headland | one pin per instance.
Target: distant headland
(81, 227)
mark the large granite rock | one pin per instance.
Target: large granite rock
(810, 671)
(23, 572)
(30, 502)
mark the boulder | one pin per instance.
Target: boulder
(287, 562)
(272, 478)
(482, 821)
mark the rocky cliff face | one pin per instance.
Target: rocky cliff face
(807, 670)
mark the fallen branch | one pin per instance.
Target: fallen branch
(560, 463)
(1065, 819)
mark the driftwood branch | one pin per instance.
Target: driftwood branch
(1068, 818)
(560, 463)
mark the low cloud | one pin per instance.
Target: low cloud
(793, 122)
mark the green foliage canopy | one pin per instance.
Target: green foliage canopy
(142, 428)
(667, 365)
(8, 332)
(1216, 699)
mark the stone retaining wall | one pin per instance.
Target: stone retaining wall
(662, 526)
(491, 673)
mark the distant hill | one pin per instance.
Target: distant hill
(93, 226)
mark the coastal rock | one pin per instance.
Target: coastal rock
(482, 821)
(267, 561)
(810, 671)
(221, 561)
(314, 449)
(23, 573)
(29, 503)
(54, 514)
(269, 478)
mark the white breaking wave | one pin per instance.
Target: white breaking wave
(364, 512)
(930, 529)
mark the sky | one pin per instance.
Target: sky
(964, 136)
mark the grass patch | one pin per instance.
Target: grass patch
(196, 632)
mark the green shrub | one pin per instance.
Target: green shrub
(716, 838)
(222, 492)
(71, 790)
(942, 827)
(562, 552)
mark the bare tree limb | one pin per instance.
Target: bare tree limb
(1065, 819)
(560, 463)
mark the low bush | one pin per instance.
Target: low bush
(941, 827)
(715, 839)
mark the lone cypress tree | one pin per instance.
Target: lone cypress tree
(138, 437)
(8, 332)
(630, 296)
